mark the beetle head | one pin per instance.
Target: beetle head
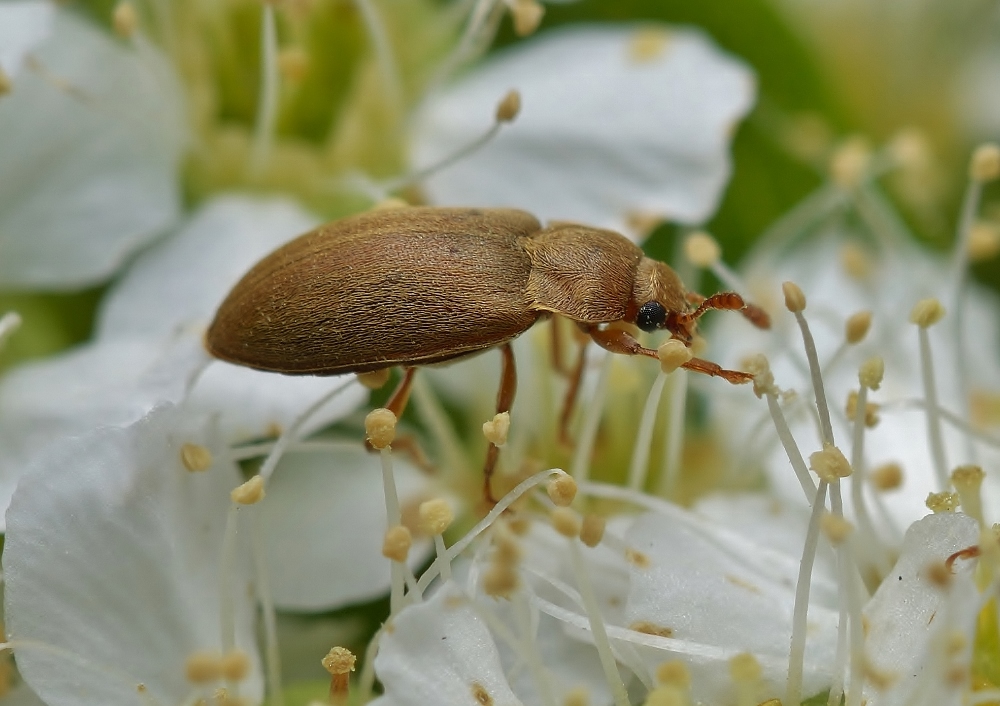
(660, 300)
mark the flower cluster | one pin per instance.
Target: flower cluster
(165, 511)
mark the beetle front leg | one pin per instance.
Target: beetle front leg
(618, 340)
(505, 398)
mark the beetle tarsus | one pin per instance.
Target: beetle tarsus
(757, 316)
(707, 367)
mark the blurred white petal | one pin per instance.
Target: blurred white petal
(900, 618)
(110, 383)
(440, 652)
(91, 143)
(23, 24)
(601, 134)
(183, 279)
(112, 555)
(325, 522)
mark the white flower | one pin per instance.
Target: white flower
(23, 24)
(615, 123)
(93, 133)
(112, 565)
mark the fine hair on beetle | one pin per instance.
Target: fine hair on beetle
(420, 285)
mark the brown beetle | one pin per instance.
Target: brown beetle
(421, 285)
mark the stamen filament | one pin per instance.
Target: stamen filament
(791, 448)
(796, 654)
(272, 655)
(826, 427)
(580, 470)
(227, 560)
(267, 105)
(9, 323)
(934, 435)
(393, 517)
(288, 434)
(597, 627)
(673, 440)
(440, 428)
(383, 53)
(640, 455)
(505, 502)
(871, 538)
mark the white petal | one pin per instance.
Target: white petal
(23, 24)
(440, 652)
(183, 279)
(726, 598)
(252, 404)
(901, 616)
(112, 556)
(600, 134)
(88, 157)
(325, 521)
(101, 384)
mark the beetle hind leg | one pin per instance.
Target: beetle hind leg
(505, 398)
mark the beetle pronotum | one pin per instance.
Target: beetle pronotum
(420, 285)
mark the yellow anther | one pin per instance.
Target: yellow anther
(496, 429)
(795, 300)
(968, 481)
(849, 162)
(561, 490)
(985, 162)
(396, 543)
(647, 44)
(5, 83)
(527, 15)
(926, 313)
(871, 372)
(856, 261)
(203, 667)
(509, 107)
(673, 354)
(836, 528)
(665, 695)
(566, 522)
(857, 327)
(910, 149)
(196, 457)
(235, 665)
(436, 516)
(339, 662)
(249, 493)
(942, 502)
(124, 19)
(293, 63)
(577, 697)
(592, 531)
(375, 379)
(380, 426)
(702, 249)
(871, 410)
(501, 580)
(888, 476)
(984, 241)
(389, 204)
(674, 673)
(830, 464)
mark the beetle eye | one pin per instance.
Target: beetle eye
(651, 316)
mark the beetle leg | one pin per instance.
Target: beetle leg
(505, 398)
(401, 395)
(571, 394)
(728, 300)
(618, 341)
(558, 339)
(707, 367)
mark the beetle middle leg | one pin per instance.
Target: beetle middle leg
(505, 398)
(406, 443)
